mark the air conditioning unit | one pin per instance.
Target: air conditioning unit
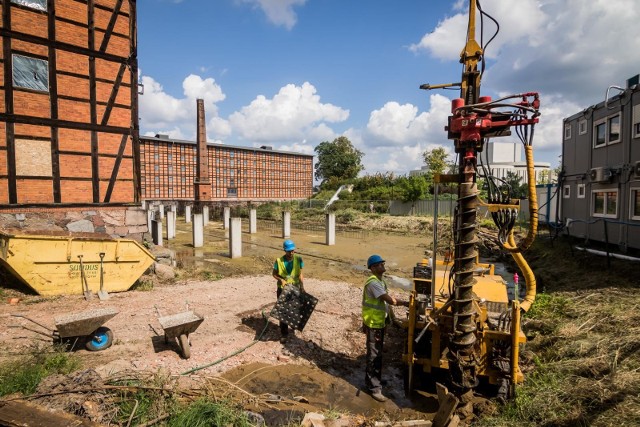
(636, 170)
(600, 174)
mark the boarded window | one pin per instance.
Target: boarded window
(33, 4)
(30, 73)
(33, 158)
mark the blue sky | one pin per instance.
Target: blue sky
(294, 73)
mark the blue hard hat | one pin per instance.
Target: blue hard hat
(374, 259)
(288, 245)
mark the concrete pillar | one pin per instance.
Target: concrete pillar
(205, 215)
(161, 211)
(171, 225)
(253, 221)
(198, 230)
(187, 213)
(225, 217)
(330, 225)
(286, 224)
(156, 231)
(144, 205)
(235, 240)
(150, 217)
(174, 209)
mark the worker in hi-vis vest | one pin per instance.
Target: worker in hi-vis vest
(375, 316)
(287, 270)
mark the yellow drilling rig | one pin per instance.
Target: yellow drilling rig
(460, 318)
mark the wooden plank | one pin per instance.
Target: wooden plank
(112, 23)
(446, 410)
(17, 413)
(116, 168)
(53, 91)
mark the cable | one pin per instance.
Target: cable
(266, 323)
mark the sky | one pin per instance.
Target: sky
(291, 74)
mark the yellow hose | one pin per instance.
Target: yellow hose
(525, 243)
(529, 278)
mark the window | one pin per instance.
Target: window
(582, 127)
(600, 134)
(635, 204)
(636, 121)
(614, 129)
(581, 191)
(606, 131)
(33, 4)
(605, 203)
(567, 131)
(30, 73)
(566, 192)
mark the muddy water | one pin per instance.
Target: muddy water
(344, 261)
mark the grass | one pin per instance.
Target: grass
(204, 412)
(24, 375)
(582, 358)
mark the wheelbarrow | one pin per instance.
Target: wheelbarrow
(180, 326)
(72, 328)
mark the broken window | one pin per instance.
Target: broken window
(30, 73)
(33, 4)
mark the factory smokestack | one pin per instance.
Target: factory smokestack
(202, 183)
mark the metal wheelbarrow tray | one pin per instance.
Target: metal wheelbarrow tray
(86, 325)
(180, 326)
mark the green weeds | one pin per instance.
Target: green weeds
(24, 375)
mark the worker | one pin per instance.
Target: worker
(287, 270)
(375, 316)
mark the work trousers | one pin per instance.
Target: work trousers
(373, 371)
(284, 328)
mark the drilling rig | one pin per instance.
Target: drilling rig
(460, 319)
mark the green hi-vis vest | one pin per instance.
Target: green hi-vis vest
(374, 311)
(294, 277)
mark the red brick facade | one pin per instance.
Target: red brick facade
(168, 169)
(73, 140)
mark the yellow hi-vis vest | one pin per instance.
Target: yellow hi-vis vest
(374, 311)
(294, 277)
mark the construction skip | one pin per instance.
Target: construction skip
(51, 263)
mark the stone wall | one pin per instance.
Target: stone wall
(118, 222)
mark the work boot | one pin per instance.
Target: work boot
(379, 396)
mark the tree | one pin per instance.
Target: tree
(512, 185)
(436, 160)
(338, 159)
(413, 189)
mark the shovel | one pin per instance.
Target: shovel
(83, 282)
(102, 294)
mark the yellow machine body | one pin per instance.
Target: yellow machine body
(496, 320)
(49, 264)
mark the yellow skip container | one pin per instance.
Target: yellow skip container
(49, 262)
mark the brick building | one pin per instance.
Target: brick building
(168, 169)
(69, 113)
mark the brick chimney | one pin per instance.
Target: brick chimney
(202, 183)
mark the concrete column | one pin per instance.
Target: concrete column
(150, 217)
(253, 221)
(187, 213)
(225, 217)
(156, 231)
(144, 205)
(161, 211)
(205, 215)
(174, 209)
(330, 225)
(235, 240)
(286, 224)
(198, 230)
(171, 225)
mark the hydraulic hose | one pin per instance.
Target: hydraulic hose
(529, 278)
(510, 245)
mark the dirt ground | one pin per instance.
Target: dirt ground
(324, 363)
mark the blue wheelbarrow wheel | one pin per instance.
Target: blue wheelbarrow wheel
(101, 339)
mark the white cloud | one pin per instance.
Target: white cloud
(293, 114)
(554, 47)
(161, 112)
(397, 124)
(278, 12)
